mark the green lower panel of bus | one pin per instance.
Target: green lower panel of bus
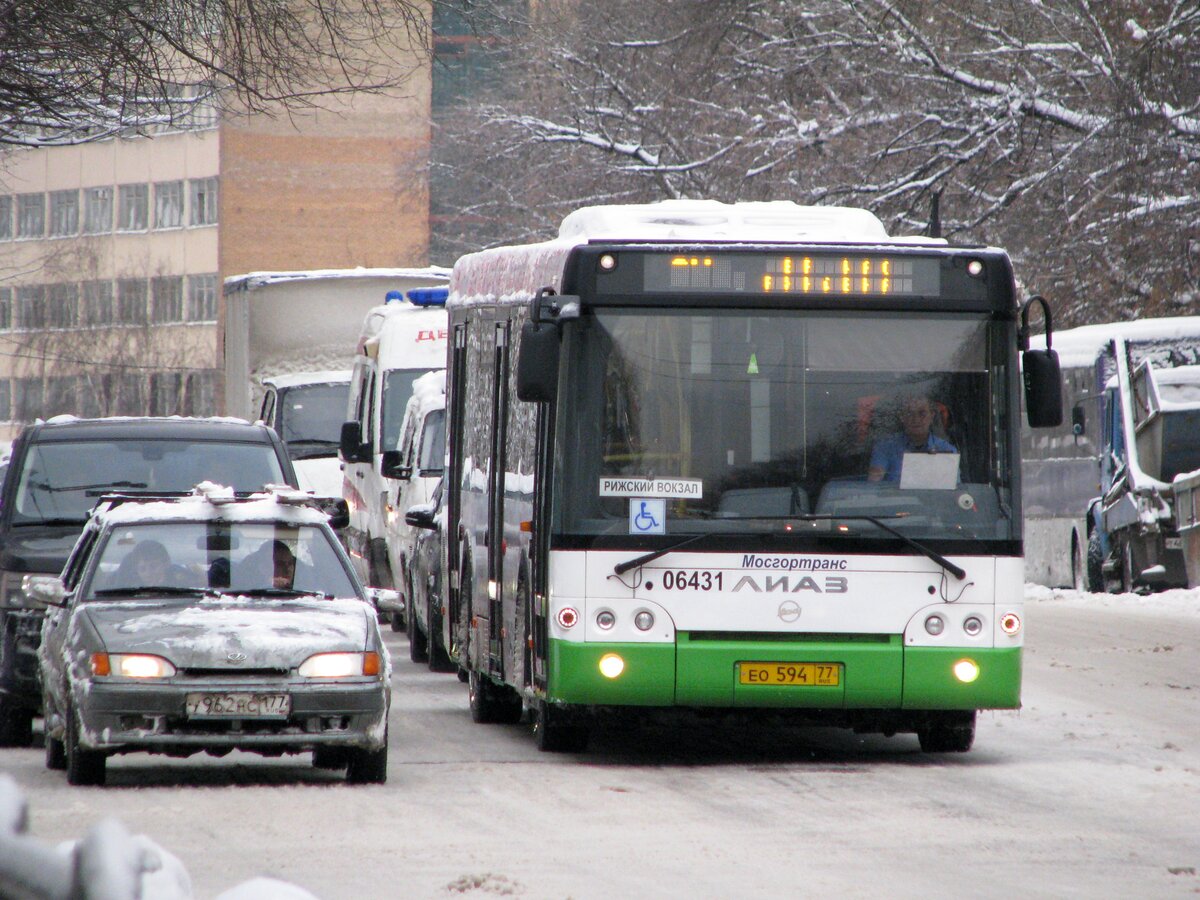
(647, 676)
(930, 681)
(843, 672)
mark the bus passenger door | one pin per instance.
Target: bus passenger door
(497, 544)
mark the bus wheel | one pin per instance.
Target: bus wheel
(553, 735)
(1095, 563)
(947, 732)
(491, 702)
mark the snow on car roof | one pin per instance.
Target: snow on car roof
(295, 379)
(213, 502)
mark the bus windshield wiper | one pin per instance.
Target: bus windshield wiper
(950, 567)
(622, 568)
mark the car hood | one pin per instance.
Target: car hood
(232, 633)
(39, 548)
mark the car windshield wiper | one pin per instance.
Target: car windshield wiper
(53, 522)
(878, 522)
(622, 568)
(278, 592)
(157, 590)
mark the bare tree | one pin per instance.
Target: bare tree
(83, 70)
(1068, 132)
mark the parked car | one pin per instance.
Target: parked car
(57, 470)
(212, 622)
(426, 642)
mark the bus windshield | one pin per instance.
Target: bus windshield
(748, 421)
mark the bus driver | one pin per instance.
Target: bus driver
(916, 418)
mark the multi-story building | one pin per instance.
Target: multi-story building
(113, 253)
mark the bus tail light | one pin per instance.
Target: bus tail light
(1010, 623)
(567, 617)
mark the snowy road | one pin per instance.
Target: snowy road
(1093, 789)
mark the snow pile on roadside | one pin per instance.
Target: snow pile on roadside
(1176, 602)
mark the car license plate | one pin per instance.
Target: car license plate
(1173, 543)
(239, 706)
(798, 674)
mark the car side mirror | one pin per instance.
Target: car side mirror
(46, 589)
(385, 596)
(392, 466)
(351, 447)
(336, 508)
(422, 516)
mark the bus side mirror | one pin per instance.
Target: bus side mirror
(537, 364)
(1043, 377)
(1043, 388)
(351, 447)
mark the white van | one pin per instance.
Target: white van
(307, 409)
(416, 466)
(400, 341)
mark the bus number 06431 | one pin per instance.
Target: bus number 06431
(683, 580)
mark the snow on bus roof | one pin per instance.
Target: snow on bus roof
(253, 280)
(1080, 346)
(771, 220)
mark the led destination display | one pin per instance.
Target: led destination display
(801, 274)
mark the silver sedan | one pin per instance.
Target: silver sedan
(190, 624)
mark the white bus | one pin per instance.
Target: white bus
(664, 430)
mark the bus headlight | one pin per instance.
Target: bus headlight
(644, 620)
(966, 670)
(611, 665)
(973, 625)
(606, 619)
(935, 624)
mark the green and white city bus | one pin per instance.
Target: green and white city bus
(665, 475)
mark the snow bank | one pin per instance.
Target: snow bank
(1182, 603)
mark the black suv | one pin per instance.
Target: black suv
(57, 472)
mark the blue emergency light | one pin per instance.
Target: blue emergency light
(428, 296)
(393, 297)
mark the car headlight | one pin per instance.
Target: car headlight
(131, 665)
(340, 665)
(12, 592)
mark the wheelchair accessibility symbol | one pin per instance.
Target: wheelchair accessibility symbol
(647, 516)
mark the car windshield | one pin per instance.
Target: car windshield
(433, 442)
(678, 422)
(62, 479)
(310, 418)
(397, 388)
(255, 558)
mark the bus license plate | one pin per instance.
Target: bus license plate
(239, 706)
(801, 674)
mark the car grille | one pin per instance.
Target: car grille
(233, 673)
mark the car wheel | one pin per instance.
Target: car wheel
(84, 767)
(418, 642)
(948, 732)
(16, 724)
(396, 621)
(367, 766)
(552, 735)
(56, 754)
(330, 758)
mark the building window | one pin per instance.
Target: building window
(167, 299)
(31, 307)
(6, 309)
(97, 210)
(131, 301)
(133, 207)
(64, 213)
(203, 196)
(200, 396)
(61, 395)
(27, 399)
(6, 209)
(165, 391)
(97, 303)
(31, 215)
(62, 306)
(202, 298)
(5, 400)
(168, 204)
(130, 396)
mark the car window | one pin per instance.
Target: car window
(228, 557)
(62, 479)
